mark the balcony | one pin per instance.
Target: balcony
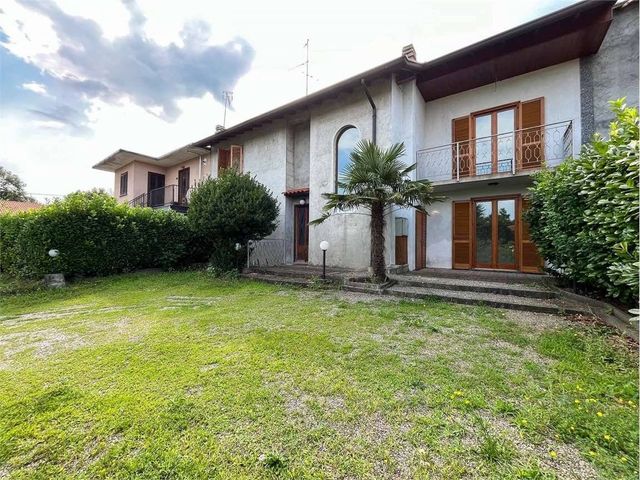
(516, 153)
(168, 196)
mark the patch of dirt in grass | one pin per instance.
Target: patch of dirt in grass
(568, 463)
(44, 343)
(535, 322)
(12, 320)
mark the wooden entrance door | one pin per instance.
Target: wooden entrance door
(183, 185)
(495, 233)
(155, 189)
(301, 233)
(421, 240)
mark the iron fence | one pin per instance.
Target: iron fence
(506, 153)
(266, 253)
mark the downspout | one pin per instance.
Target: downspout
(374, 112)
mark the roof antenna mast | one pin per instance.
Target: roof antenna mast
(228, 98)
(306, 64)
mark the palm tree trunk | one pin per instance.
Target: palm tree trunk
(377, 242)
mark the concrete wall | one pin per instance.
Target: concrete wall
(347, 233)
(611, 73)
(301, 156)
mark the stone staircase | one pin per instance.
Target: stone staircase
(510, 290)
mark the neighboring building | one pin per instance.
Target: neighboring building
(478, 122)
(13, 206)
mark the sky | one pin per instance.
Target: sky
(80, 79)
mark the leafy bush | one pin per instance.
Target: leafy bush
(231, 209)
(94, 235)
(584, 214)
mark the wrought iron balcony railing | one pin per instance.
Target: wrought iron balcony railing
(166, 196)
(511, 153)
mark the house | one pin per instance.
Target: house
(478, 122)
(14, 206)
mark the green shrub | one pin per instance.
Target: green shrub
(231, 209)
(584, 214)
(94, 235)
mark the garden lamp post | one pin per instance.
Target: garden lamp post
(54, 280)
(324, 246)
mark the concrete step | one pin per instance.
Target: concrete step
(469, 285)
(277, 279)
(306, 271)
(486, 276)
(512, 302)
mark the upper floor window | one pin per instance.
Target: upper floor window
(232, 157)
(124, 183)
(347, 140)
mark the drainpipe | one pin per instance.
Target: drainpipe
(373, 110)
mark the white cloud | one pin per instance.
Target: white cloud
(35, 87)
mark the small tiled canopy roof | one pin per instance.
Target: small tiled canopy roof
(12, 206)
(296, 192)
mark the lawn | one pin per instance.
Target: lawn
(178, 375)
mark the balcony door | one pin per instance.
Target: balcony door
(494, 141)
(155, 189)
(183, 185)
(495, 230)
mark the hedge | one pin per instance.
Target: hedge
(94, 235)
(584, 214)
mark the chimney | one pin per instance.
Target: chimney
(219, 128)
(409, 52)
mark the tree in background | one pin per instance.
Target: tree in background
(12, 188)
(231, 209)
(376, 180)
(584, 213)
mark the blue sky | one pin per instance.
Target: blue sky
(78, 81)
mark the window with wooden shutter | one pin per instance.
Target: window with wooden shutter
(530, 260)
(461, 162)
(531, 142)
(224, 159)
(124, 183)
(236, 158)
(462, 235)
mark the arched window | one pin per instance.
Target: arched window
(347, 140)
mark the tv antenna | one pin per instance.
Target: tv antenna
(305, 64)
(228, 98)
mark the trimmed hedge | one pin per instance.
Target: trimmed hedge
(584, 214)
(95, 236)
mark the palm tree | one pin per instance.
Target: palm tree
(377, 180)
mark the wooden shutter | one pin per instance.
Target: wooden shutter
(421, 240)
(460, 149)
(531, 141)
(236, 157)
(462, 235)
(530, 260)
(224, 158)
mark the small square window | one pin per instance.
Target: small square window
(124, 183)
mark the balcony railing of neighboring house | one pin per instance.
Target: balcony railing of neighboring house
(168, 196)
(511, 153)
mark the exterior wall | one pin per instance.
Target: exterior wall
(130, 179)
(347, 233)
(559, 85)
(301, 143)
(141, 171)
(611, 73)
(195, 173)
(440, 220)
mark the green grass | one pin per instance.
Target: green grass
(178, 375)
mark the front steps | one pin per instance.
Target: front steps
(514, 291)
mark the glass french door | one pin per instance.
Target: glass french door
(494, 232)
(494, 141)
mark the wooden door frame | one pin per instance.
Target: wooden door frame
(295, 230)
(181, 172)
(493, 111)
(494, 231)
